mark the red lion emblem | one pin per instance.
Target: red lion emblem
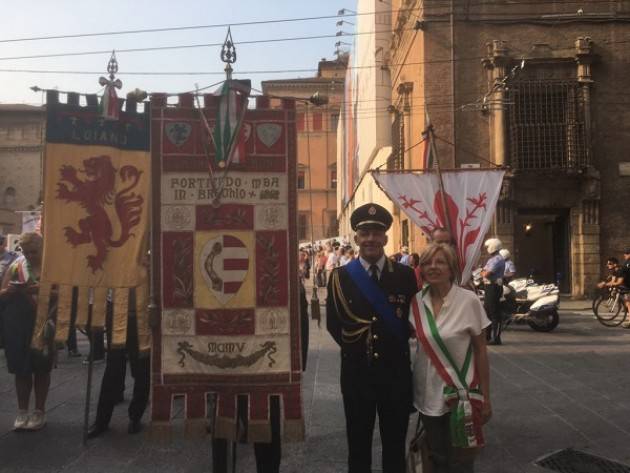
(95, 193)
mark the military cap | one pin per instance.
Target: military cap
(371, 216)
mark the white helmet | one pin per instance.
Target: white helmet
(505, 253)
(493, 245)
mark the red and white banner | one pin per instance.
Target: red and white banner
(471, 199)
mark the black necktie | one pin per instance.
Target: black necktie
(374, 273)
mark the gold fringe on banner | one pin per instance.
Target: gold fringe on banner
(196, 428)
(258, 431)
(83, 304)
(144, 330)
(225, 428)
(119, 320)
(43, 301)
(64, 312)
(99, 307)
(161, 432)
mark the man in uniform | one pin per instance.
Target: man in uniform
(492, 275)
(367, 315)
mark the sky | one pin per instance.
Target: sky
(37, 18)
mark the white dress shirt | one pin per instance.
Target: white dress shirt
(379, 264)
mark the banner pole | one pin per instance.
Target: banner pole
(447, 217)
(88, 390)
(315, 309)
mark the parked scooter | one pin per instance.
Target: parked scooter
(525, 301)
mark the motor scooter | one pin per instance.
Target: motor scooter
(525, 301)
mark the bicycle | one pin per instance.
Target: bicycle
(609, 308)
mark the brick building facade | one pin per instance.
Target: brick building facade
(21, 128)
(541, 89)
(317, 145)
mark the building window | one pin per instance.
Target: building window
(299, 121)
(396, 160)
(317, 121)
(546, 124)
(333, 179)
(334, 121)
(332, 229)
(301, 180)
(9, 197)
(302, 226)
(405, 233)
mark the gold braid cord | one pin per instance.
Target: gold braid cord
(349, 336)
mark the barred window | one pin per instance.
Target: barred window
(546, 124)
(396, 160)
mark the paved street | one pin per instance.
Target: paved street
(569, 388)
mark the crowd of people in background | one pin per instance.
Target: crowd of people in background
(320, 259)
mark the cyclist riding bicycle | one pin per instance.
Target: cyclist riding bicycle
(614, 278)
(625, 273)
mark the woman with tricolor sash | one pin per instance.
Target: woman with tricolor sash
(451, 370)
(18, 307)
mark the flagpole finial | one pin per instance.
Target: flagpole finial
(109, 102)
(228, 54)
(112, 66)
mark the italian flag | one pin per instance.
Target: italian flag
(227, 135)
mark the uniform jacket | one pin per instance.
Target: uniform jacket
(370, 354)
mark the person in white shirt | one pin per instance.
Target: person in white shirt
(332, 259)
(444, 312)
(406, 257)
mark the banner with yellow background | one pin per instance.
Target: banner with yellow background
(96, 212)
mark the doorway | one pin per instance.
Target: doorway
(542, 246)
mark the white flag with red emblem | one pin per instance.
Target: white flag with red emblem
(470, 197)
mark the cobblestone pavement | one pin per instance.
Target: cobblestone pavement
(568, 388)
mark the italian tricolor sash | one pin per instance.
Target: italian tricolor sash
(22, 271)
(461, 393)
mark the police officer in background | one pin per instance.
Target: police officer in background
(367, 315)
(492, 275)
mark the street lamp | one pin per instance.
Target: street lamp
(345, 11)
(341, 22)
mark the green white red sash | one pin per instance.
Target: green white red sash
(461, 393)
(22, 271)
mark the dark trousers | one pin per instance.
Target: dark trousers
(71, 342)
(114, 381)
(444, 457)
(393, 417)
(268, 455)
(492, 305)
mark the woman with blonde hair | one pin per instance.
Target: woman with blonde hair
(451, 372)
(18, 306)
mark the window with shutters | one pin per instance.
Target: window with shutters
(301, 180)
(334, 121)
(317, 121)
(299, 120)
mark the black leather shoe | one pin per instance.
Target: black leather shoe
(96, 430)
(135, 427)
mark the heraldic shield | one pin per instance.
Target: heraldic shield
(226, 243)
(97, 179)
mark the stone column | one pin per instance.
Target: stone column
(497, 63)
(586, 247)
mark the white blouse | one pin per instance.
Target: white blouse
(461, 317)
